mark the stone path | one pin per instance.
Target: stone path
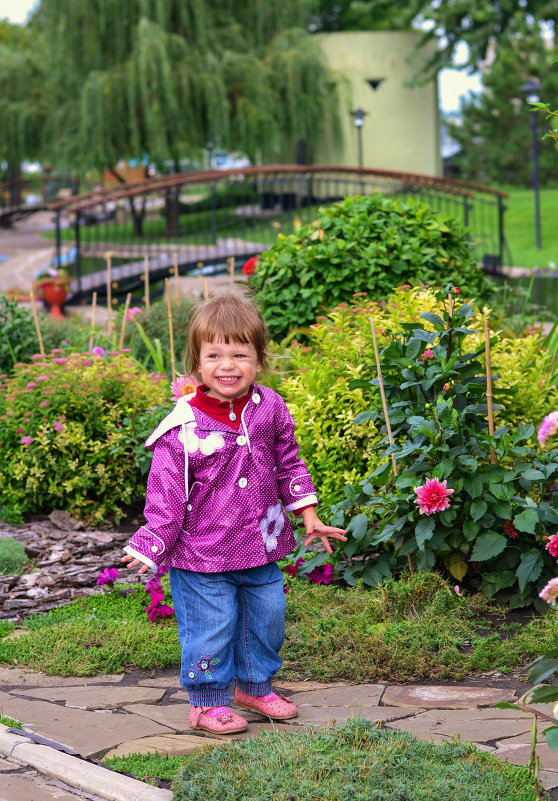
(140, 712)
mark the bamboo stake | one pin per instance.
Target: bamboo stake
(450, 304)
(206, 288)
(386, 415)
(93, 310)
(36, 319)
(173, 366)
(146, 282)
(489, 388)
(124, 319)
(230, 262)
(176, 287)
(108, 257)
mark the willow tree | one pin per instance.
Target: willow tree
(164, 77)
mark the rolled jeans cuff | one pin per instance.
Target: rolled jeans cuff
(254, 687)
(209, 696)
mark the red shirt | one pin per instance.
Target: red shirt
(219, 410)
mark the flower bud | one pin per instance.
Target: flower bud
(446, 387)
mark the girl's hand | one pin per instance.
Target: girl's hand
(316, 529)
(134, 563)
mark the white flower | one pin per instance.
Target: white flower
(271, 525)
(214, 442)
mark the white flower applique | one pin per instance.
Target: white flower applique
(271, 525)
(214, 442)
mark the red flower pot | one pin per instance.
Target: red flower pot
(54, 293)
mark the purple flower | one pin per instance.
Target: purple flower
(153, 585)
(27, 440)
(548, 427)
(108, 576)
(127, 592)
(98, 351)
(321, 574)
(59, 426)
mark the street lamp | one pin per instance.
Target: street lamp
(358, 116)
(532, 88)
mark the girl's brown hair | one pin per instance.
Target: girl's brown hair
(230, 317)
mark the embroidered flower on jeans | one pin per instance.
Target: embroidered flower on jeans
(271, 525)
(214, 442)
(205, 665)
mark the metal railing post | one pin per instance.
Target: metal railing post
(58, 236)
(77, 227)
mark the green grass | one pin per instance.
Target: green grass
(12, 723)
(12, 556)
(412, 629)
(354, 762)
(520, 226)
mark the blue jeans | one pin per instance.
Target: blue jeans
(231, 627)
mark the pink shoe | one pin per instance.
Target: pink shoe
(274, 706)
(216, 719)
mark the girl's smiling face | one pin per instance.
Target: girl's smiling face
(228, 369)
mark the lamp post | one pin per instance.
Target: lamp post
(532, 89)
(358, 116)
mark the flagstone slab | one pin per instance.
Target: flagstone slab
(304, 686)
(18, 677)
(444, 697)
(319, 716)
(521, 739)
(95, 697)
(519, 755)
(88, 733)
(161, 681)
(169, 745)
(478, 725)
(182, 695)
(341, 696)
(175, 716)
(548, 779)
(32, 787)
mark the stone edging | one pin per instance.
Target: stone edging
(76, 772)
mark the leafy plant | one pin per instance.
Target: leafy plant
(491, 530)
(68, 428)
(363, 244)
(18, 339)
(12, 556)
(148, 333)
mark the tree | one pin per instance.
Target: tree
(164, 77)
(494, 134)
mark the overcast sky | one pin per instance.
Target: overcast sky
(452, 83)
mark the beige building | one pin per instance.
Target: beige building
(401, 127)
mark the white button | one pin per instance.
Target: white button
(189, 507)
(256, 398)
(154, 548)
(242, 482)
(241, 440)
(297, 487)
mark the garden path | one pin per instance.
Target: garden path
(145, 712)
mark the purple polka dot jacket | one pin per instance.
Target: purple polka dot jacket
(216, 497)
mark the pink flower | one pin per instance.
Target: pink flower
(42, 378)
(510, 530)
(98, 351)
(552, 546)
(58, 426)
(549, 592)
(427, 355)
(250, 266)
(86, 362)
(59, 361)
(321, 574)
(27, 440)
(432, 496)
(286, 590)
(132, 312)
(108, 576)
(291, 570)
(20, 431)
(31, 384)
(548, 427)
(457, 590)
(43, 403)
(184, 385)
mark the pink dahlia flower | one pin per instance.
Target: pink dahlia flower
(184, 385)
(552, 546)
(432, 496)
(427, 355)
(548, 427)
(549, 592)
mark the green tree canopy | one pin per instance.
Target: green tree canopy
(163, 77)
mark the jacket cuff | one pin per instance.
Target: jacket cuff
(308, 500)
(149, 544)
(140, 556)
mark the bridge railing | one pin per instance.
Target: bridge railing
(199, 222)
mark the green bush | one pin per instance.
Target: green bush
(18, 338)
(12, 556)
(347, 763)
(363, 244)
(339, 349)
(68, 430)
(491, 530)
(156, 326)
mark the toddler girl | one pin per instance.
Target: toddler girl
(225, 469)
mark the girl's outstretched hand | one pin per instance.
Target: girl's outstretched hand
(315, 528)
(134, 563)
